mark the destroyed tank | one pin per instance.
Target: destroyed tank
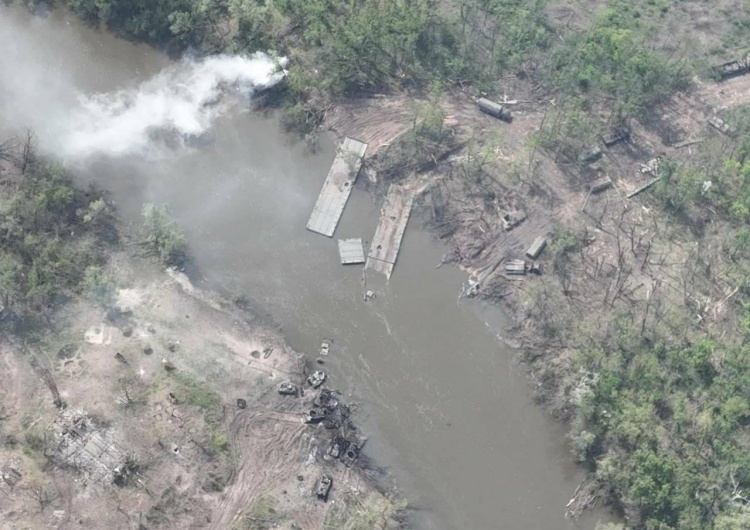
(287, 389)
(315, 415)
(323, 488)
(338, 447)
(350, 455)
(317, 378)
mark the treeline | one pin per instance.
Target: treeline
(54, 236)
(57, 238)
(348, 47)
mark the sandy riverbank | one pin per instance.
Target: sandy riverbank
(152, 433)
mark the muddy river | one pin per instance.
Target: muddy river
(449, 412)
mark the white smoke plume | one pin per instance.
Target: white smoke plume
(180, 102)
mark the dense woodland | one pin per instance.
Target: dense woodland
(660, 414)
(55, 237)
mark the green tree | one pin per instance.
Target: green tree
(162, 237)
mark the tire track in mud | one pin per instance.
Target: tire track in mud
(378, 122)
(263, 441)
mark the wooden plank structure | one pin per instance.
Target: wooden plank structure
(536, 247)
(337, 187)
(351, 251)
(394, 217)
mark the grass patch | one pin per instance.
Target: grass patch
(263, 516)
(373, 512)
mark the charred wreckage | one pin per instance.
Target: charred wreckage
(327, 410)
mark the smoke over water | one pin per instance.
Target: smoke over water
(180, 102)
(86, 94)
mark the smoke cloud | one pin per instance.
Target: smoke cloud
(180, 102)
(56, 84)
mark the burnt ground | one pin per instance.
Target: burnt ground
(151, 434)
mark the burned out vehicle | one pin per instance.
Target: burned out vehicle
(323, 487)
(720, 125)
(287, 389)
(339, 445)
(512, 219)
(317, 378)
(619, 135)
(732, 68)
(351, 454)
(316, 415)
(590, 155)
(495, 109)
(327, 399)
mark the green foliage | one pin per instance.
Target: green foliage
(162, 237)
(152, 20)
(673, 425)
(359, 44)
(672, 419)
(490, 36)
(610, 526)
(52, 234)
(196, 394)
(612, 60)
(718, 179)
(100, 285)
(219, 443)
(37, 438)
(356, 513)
(568, 130)
(264, 515)
(199, 394)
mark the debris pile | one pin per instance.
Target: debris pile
(89, 448)
(651, 167)
(328, 409)
(122, 474)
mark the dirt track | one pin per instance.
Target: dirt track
(202, 461)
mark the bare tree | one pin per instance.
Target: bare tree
(27, 152)
(49, 380)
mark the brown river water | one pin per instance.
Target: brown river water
(449, 412)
